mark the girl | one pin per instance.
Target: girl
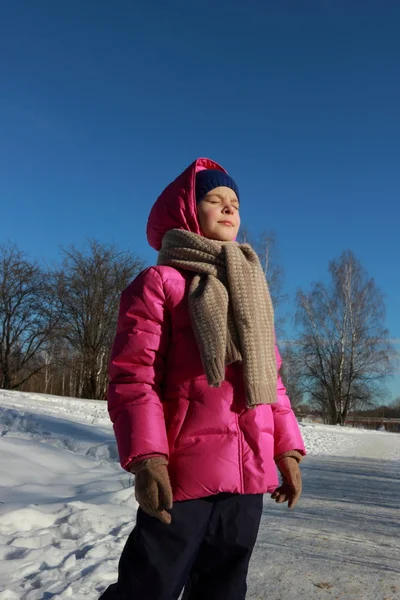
(200, 413)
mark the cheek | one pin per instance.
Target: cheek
(206, 219)
(212, 216)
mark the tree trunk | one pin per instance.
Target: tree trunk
(7, 383)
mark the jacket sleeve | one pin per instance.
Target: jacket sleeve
(287, 434)
(136, 370)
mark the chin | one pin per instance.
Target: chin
(221, 238)
(225, 235)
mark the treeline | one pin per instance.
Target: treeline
(57, 325)
(386, 411)
(383, 411)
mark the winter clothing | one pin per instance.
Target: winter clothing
(230, 310)
(209, 542)
(210, 179)
(159, 398)
(176, 208)
(220, 454)
(290, 454)
(153, 488)
(291, 487)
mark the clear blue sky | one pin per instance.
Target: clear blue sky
(103, 103)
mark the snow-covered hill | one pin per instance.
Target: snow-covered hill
(66, 508)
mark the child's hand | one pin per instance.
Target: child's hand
(290, 490)
(153, 488)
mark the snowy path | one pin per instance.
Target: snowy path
(66, 509)
(341, 542)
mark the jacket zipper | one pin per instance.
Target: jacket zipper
(240, 452)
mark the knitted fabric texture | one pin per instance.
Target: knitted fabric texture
(209, 179)
(230, 308)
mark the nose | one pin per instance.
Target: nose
(228, 209)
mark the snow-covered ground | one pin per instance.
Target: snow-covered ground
(66, 509)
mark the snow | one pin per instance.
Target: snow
(66, 509)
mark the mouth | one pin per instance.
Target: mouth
(227, 223)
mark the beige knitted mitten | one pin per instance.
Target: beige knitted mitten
(291, 488)
(153, 488)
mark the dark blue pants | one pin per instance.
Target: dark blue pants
(206, 549)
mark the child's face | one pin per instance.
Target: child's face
(218, 215)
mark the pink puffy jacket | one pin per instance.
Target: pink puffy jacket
(159, 400)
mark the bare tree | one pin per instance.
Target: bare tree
(90, 283)
(291, 375)
(344, 350)
(29, 313)
(266, 247)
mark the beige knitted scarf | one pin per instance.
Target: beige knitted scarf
(230, 309)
